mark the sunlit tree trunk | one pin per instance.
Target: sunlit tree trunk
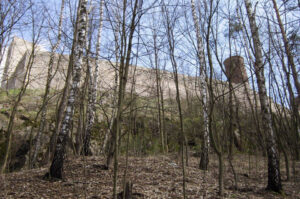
(60, 112)
(47, 88)
(274, 179)
(204, 159)
(56, 168)
(93, 85)
(287, 48)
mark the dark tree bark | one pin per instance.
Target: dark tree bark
(291, 63)
(169, 21)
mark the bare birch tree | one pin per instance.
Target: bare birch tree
(50, 76)
(93, 85)
(204, 159)
(274, 179)
(60, 112)
(56, 168)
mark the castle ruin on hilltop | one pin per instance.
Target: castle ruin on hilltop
(19, 52)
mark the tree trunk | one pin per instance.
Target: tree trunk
(204, 159)
(158, 93)
(295, 74)
(47, 89)
(163, 118)
(274, 179)
(181, 136)
(60, 112)
(287, 48)
(25, 82)
(93, 85)
(221, 184)
(126, 50)
(56, 168)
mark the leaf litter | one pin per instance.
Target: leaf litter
(152, 177)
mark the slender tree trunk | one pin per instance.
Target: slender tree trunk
(217, 149)
(274, 179)
(56, 168)
(182, 138)
(283, 149)
(60, 112)
(163, 118)
(108, 139)
(231, 133)
(93, 85)
(231, 113)
(204, 159)
(295, 74)
(47, 89)
(182, 135)
(109, 132)
(287, 48)
(126, 50)
(25, 82)
(158, 83)
(125, 191)
(221, 170)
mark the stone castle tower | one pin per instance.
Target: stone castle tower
(235, 70)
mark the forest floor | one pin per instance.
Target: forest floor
(152, 177)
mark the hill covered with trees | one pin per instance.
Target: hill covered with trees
(213, 113)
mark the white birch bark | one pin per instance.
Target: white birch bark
(203, 88)
(274, 180)
(58, 159)
(93, 85)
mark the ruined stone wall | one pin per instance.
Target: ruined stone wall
(18, 59)
(145, 79)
